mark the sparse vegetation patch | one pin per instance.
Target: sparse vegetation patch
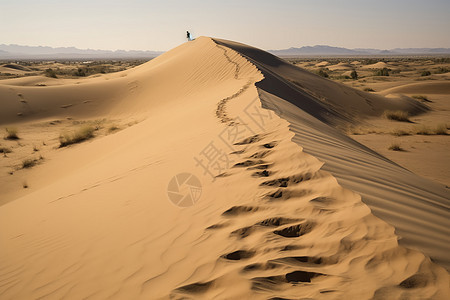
(113, 128)
(421, 97)
(11, 134)
(395, 147)
(400, 132)
(397, 115)
(382, 72)
(440, 129)
(50, 73)
(322, 73)
(82, 134)
(29, 163)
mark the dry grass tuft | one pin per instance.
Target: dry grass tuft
(422, 98)
(82, 134)
(11, 134)
(400, 132)
(395, 147)
(397, 115)
(5, 150)
(440, 129)
(29, 163)
(113, 128)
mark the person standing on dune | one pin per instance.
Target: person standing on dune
(188, 35)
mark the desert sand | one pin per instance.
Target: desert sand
(284, 205)
(426, 79)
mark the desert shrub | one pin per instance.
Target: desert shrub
(354, 75)
(425, 73)
(11, 134)
(424, 130)
(396, 71)
(28, 163)
(397, 115)
(442, 60)
(400, 132)
(421, 97)
(369, 61)
(113, 128)
(442, 70)
(440, 129)
(395, 147)
(382, 72)
(82, 134)
(5, 150)
(322, 73)
(368, 89)
(50, 73)
(80, 72)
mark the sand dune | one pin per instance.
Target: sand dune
(378, 65)
(322, 64)
(289, 208)
(435, 87)
(340, 66)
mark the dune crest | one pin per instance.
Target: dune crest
(270, 221)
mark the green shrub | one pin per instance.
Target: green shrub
(397, 115)
(426, 73)
(50, 73)
(442, 70)
(354, 75)
(322, 73)
(368, 89)
(382, 72)
(78, 136)
(80, 72)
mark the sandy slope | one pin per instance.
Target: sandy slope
(394, 193)
(270, 221)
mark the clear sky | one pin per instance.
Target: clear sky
(277, 24)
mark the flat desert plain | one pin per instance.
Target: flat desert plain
(219, 171)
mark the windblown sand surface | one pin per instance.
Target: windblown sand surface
(288, 207)
(421, 78)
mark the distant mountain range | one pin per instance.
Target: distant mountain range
(40, 52)
(329, 50)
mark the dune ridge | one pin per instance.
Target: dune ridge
(418, 208)
(270, 224)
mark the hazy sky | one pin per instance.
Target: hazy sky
(161, 25)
